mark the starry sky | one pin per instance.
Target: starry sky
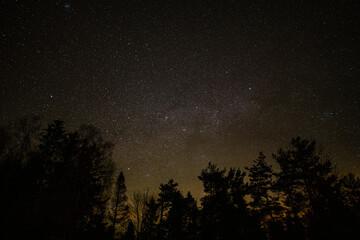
(176, 84)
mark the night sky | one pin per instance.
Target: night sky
(176, 84)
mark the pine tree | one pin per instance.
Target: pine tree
(120, 207)
(224, 214)
(166, 196)
(149, 229)
(191, 217)
(171, 211)
(308, 184)
(263, 202)
(60, 181)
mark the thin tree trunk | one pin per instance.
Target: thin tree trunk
(115, 210)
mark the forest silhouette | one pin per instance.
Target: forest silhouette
(59, 184)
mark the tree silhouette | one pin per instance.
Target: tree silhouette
(59, 187)
(172, 216)
(150, 228)
(349, 186)
(167, 193)
(80, 165)
(191, 217)
(120, 207)
(264, 204)
(224, 214)
(312, 196)
(130, 232)
(17, 140)
(350, 189)
(172, 206)
(57, 184)
(138, 208)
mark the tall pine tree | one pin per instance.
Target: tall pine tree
(120, 208)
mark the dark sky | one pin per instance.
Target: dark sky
(176, 84)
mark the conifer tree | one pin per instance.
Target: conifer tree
(309, 186)
(261, 183)
(149, 225)
(224, 214)
(120, 207)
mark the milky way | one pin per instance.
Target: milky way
(176, 85)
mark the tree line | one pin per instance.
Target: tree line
(59, 184)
